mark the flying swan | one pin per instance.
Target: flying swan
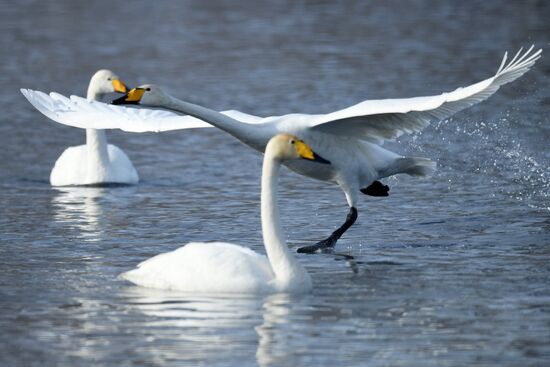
(95, 162)
(350, 138)
(219, 267)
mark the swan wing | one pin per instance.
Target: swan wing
(387, 119)
(80, 112)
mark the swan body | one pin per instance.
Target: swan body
(215, 267)
(73, 168)
(350, 138)
(95, 162)
(219, 267)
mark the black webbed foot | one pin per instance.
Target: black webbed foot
(325, 245)
(376, 189)
(328, 244)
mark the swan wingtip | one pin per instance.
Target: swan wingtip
(27, 92)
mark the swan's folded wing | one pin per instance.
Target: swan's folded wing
(80, 112)
(387, 119)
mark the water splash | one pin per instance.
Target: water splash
(501, 154)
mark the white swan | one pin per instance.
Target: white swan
(349, 138)
(226, 268)
(96, 162)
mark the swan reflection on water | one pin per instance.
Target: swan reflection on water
(214, 327)
(83, 208)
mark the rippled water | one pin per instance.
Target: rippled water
(450, 271)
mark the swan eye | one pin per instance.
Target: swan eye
(292, 141)
(148, 89)
(109, 79)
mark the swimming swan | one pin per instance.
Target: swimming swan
(96, 162)
(226, 268)
(350, 137)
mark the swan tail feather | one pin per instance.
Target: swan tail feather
(413, 166)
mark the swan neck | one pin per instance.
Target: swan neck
(93, 93)
(283, 263)
(96, 145)
(238, 129)
(96, 140)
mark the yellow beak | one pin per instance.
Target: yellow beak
(305, 152)
(135, 95)
(119, 86)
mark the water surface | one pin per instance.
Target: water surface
(448, 271)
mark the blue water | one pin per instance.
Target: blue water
(448, 271)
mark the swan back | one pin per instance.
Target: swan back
(215, 267)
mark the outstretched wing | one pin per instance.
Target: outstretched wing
(387, 119)
(372, 120)
(80, 112)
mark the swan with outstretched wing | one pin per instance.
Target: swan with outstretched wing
(350, 138)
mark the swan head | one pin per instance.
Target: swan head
(105, 81)
(145, 95)
(284, 147)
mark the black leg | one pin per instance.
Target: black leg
(329, 242)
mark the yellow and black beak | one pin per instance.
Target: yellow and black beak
(305, 152)
(132, 97)
(119, 86)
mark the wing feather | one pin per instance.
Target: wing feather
(372, 120)
(80, 112)
(387, 119)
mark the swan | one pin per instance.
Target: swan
(219, 267)
(95, 162)
(351, 138)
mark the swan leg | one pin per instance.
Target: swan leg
(329, 242)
